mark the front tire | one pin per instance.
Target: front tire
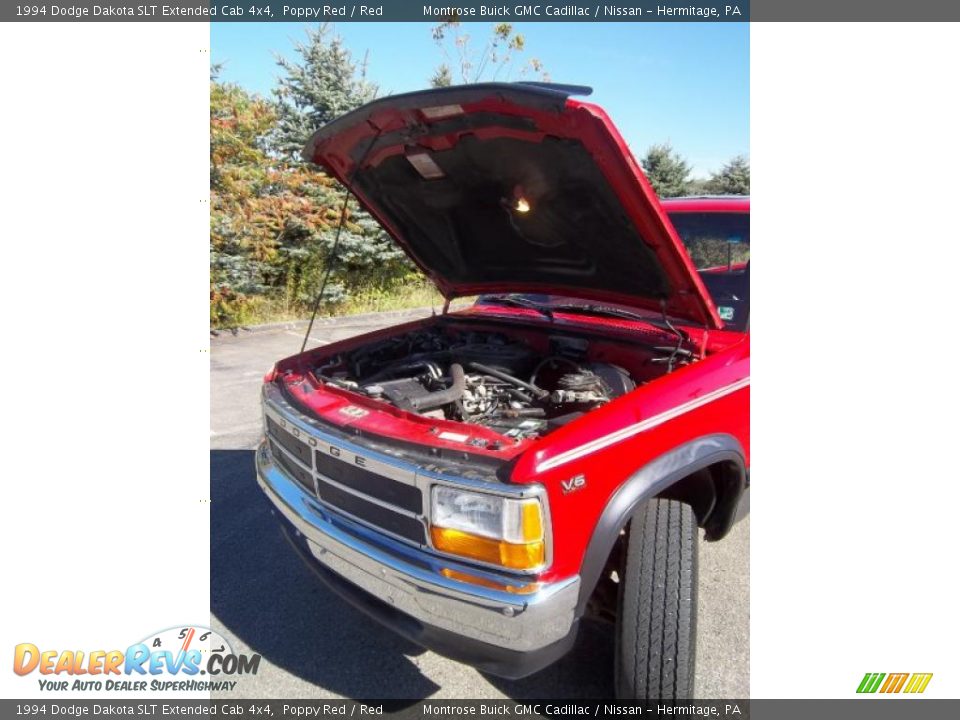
(657, 609)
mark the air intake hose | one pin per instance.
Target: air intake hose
(443, 397)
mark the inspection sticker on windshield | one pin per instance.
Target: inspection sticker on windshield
(725, 312)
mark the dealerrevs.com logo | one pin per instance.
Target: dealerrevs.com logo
(178, 659)
(910, 683)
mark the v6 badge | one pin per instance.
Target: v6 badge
(577, 482)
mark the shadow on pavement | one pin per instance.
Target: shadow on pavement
(586, 672)
(262, 592)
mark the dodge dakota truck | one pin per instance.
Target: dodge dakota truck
(481, 481)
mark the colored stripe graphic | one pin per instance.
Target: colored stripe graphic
(918, 682)
(870, 682)
(895, 682)
(651, 422)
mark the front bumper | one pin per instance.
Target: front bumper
(410, 589)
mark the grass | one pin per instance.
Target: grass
(263, 310)
(413, 295)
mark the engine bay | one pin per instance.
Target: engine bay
(519, 388)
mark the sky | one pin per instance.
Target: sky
(683, 83)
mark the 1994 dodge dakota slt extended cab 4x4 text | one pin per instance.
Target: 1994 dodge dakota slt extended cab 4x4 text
(482, 480)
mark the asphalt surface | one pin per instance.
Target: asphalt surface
(264, 600)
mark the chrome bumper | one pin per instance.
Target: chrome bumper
(412, 581)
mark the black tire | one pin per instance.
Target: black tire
(657, 611)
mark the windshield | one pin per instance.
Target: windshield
(719, 245)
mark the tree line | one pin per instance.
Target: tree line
(273, 217)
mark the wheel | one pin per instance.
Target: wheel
(657, 608)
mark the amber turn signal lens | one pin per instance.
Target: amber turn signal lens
(531, 521)
(516, 556)
(484, 582)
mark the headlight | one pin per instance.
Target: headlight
(499, 530)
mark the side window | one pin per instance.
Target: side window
(719, 246)
(719, 254)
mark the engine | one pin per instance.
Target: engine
(481, 377)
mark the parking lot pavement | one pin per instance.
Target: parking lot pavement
(264, 600)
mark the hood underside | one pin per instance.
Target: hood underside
(513, 188)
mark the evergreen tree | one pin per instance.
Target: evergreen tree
(667, 171)
(733, 178)
(323, 84)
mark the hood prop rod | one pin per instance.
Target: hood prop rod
(331, 261)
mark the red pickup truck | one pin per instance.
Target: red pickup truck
(482, 480)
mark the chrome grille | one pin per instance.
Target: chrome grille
(295, 447)
(376, 493)
(293, 469)
(368, 483)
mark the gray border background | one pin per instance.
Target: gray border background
(412, 11)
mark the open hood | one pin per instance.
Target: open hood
(514, 187)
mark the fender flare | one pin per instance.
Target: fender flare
(651, 480)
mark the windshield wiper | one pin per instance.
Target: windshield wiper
(518, 301)
(675, 353)
(609, 311)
